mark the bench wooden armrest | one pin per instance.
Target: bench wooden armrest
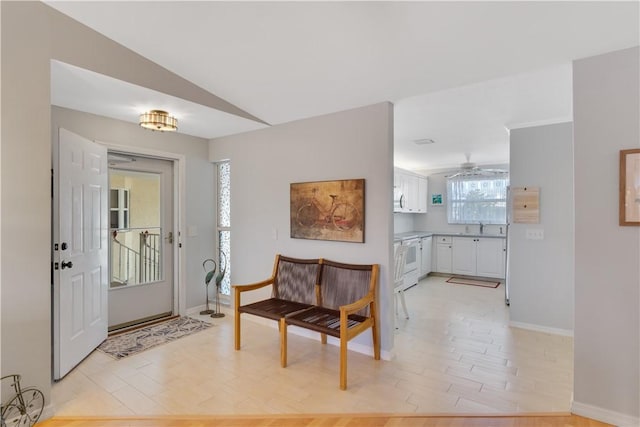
(253, 286)
(358, 305)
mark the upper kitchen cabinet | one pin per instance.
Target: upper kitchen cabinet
(409, 192)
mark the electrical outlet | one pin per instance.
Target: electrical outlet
(535, 234)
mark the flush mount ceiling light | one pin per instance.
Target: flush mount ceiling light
(158, 120)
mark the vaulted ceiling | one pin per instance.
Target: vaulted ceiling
(458, 72)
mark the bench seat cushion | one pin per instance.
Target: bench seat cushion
(323, 320)
(273, 308)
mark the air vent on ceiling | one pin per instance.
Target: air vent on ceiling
(423, 141)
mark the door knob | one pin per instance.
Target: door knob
(169, 238)
(66, 264)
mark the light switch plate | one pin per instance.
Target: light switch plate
(535, 234)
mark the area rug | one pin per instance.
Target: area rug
(473, 282)
(133, 342)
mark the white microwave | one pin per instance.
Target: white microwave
(399, 201)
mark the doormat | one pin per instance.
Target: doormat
(474, 282)
(136, 341)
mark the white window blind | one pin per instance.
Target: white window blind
(474, 199)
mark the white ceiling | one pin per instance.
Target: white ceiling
(85, 90)
(283, 61)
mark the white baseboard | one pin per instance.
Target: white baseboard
(539, 328)
(353, 346)
(47, 412)
(604, 415)
(195, 310)
(198, 308)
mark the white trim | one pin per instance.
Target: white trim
(604, 415)
(558, 120)
(47, 412)
(353, 346)
(539, 328)
(179, 183)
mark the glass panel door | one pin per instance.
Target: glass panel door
(135, 213)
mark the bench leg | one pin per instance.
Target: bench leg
(283, 342)
(323, 338)
(236, 320)
(376, 340)
(343, 361)
(237, 330)
(375, 332)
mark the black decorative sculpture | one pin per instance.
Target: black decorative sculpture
(207, 280)
(219, 278)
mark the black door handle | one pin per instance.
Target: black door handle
(66, 264)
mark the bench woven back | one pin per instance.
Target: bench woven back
(296, 279)
(342, 284)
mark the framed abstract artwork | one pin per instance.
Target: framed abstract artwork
(630, 187)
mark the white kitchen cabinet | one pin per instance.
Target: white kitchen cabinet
(443, 254)
(478, 256)
(425, 267)
(463, 259)
(490, 258)
(423, 196)
(413, 189)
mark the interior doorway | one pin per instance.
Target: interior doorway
(141, 243)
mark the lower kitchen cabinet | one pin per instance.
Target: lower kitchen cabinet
(443, 254)
(490, 258)
(463, 260)
(478, 256)
(425, 267)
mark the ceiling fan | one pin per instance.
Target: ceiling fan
(470, 169)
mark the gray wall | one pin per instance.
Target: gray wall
(32, 35)
(200, 190)
(606, 119)
(25, 196)
(541, 272)
(352, 144)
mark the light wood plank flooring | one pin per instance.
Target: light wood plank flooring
(455, 354)
(345, 420)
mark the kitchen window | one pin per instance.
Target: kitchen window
(477, 199)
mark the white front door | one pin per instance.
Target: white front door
(141, 239)
(80, 252)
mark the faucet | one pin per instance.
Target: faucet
(481, 228)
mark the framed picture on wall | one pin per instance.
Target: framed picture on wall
(436, 199)
(328, 210)
(630, 187)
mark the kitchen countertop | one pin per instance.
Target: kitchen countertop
(419, 234)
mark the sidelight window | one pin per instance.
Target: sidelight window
(224, 224)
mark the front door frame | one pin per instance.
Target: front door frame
(179, 214)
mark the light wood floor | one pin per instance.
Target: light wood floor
(332, 421)
(455, 355)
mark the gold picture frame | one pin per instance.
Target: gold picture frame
(328, 210)
(630, 187)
